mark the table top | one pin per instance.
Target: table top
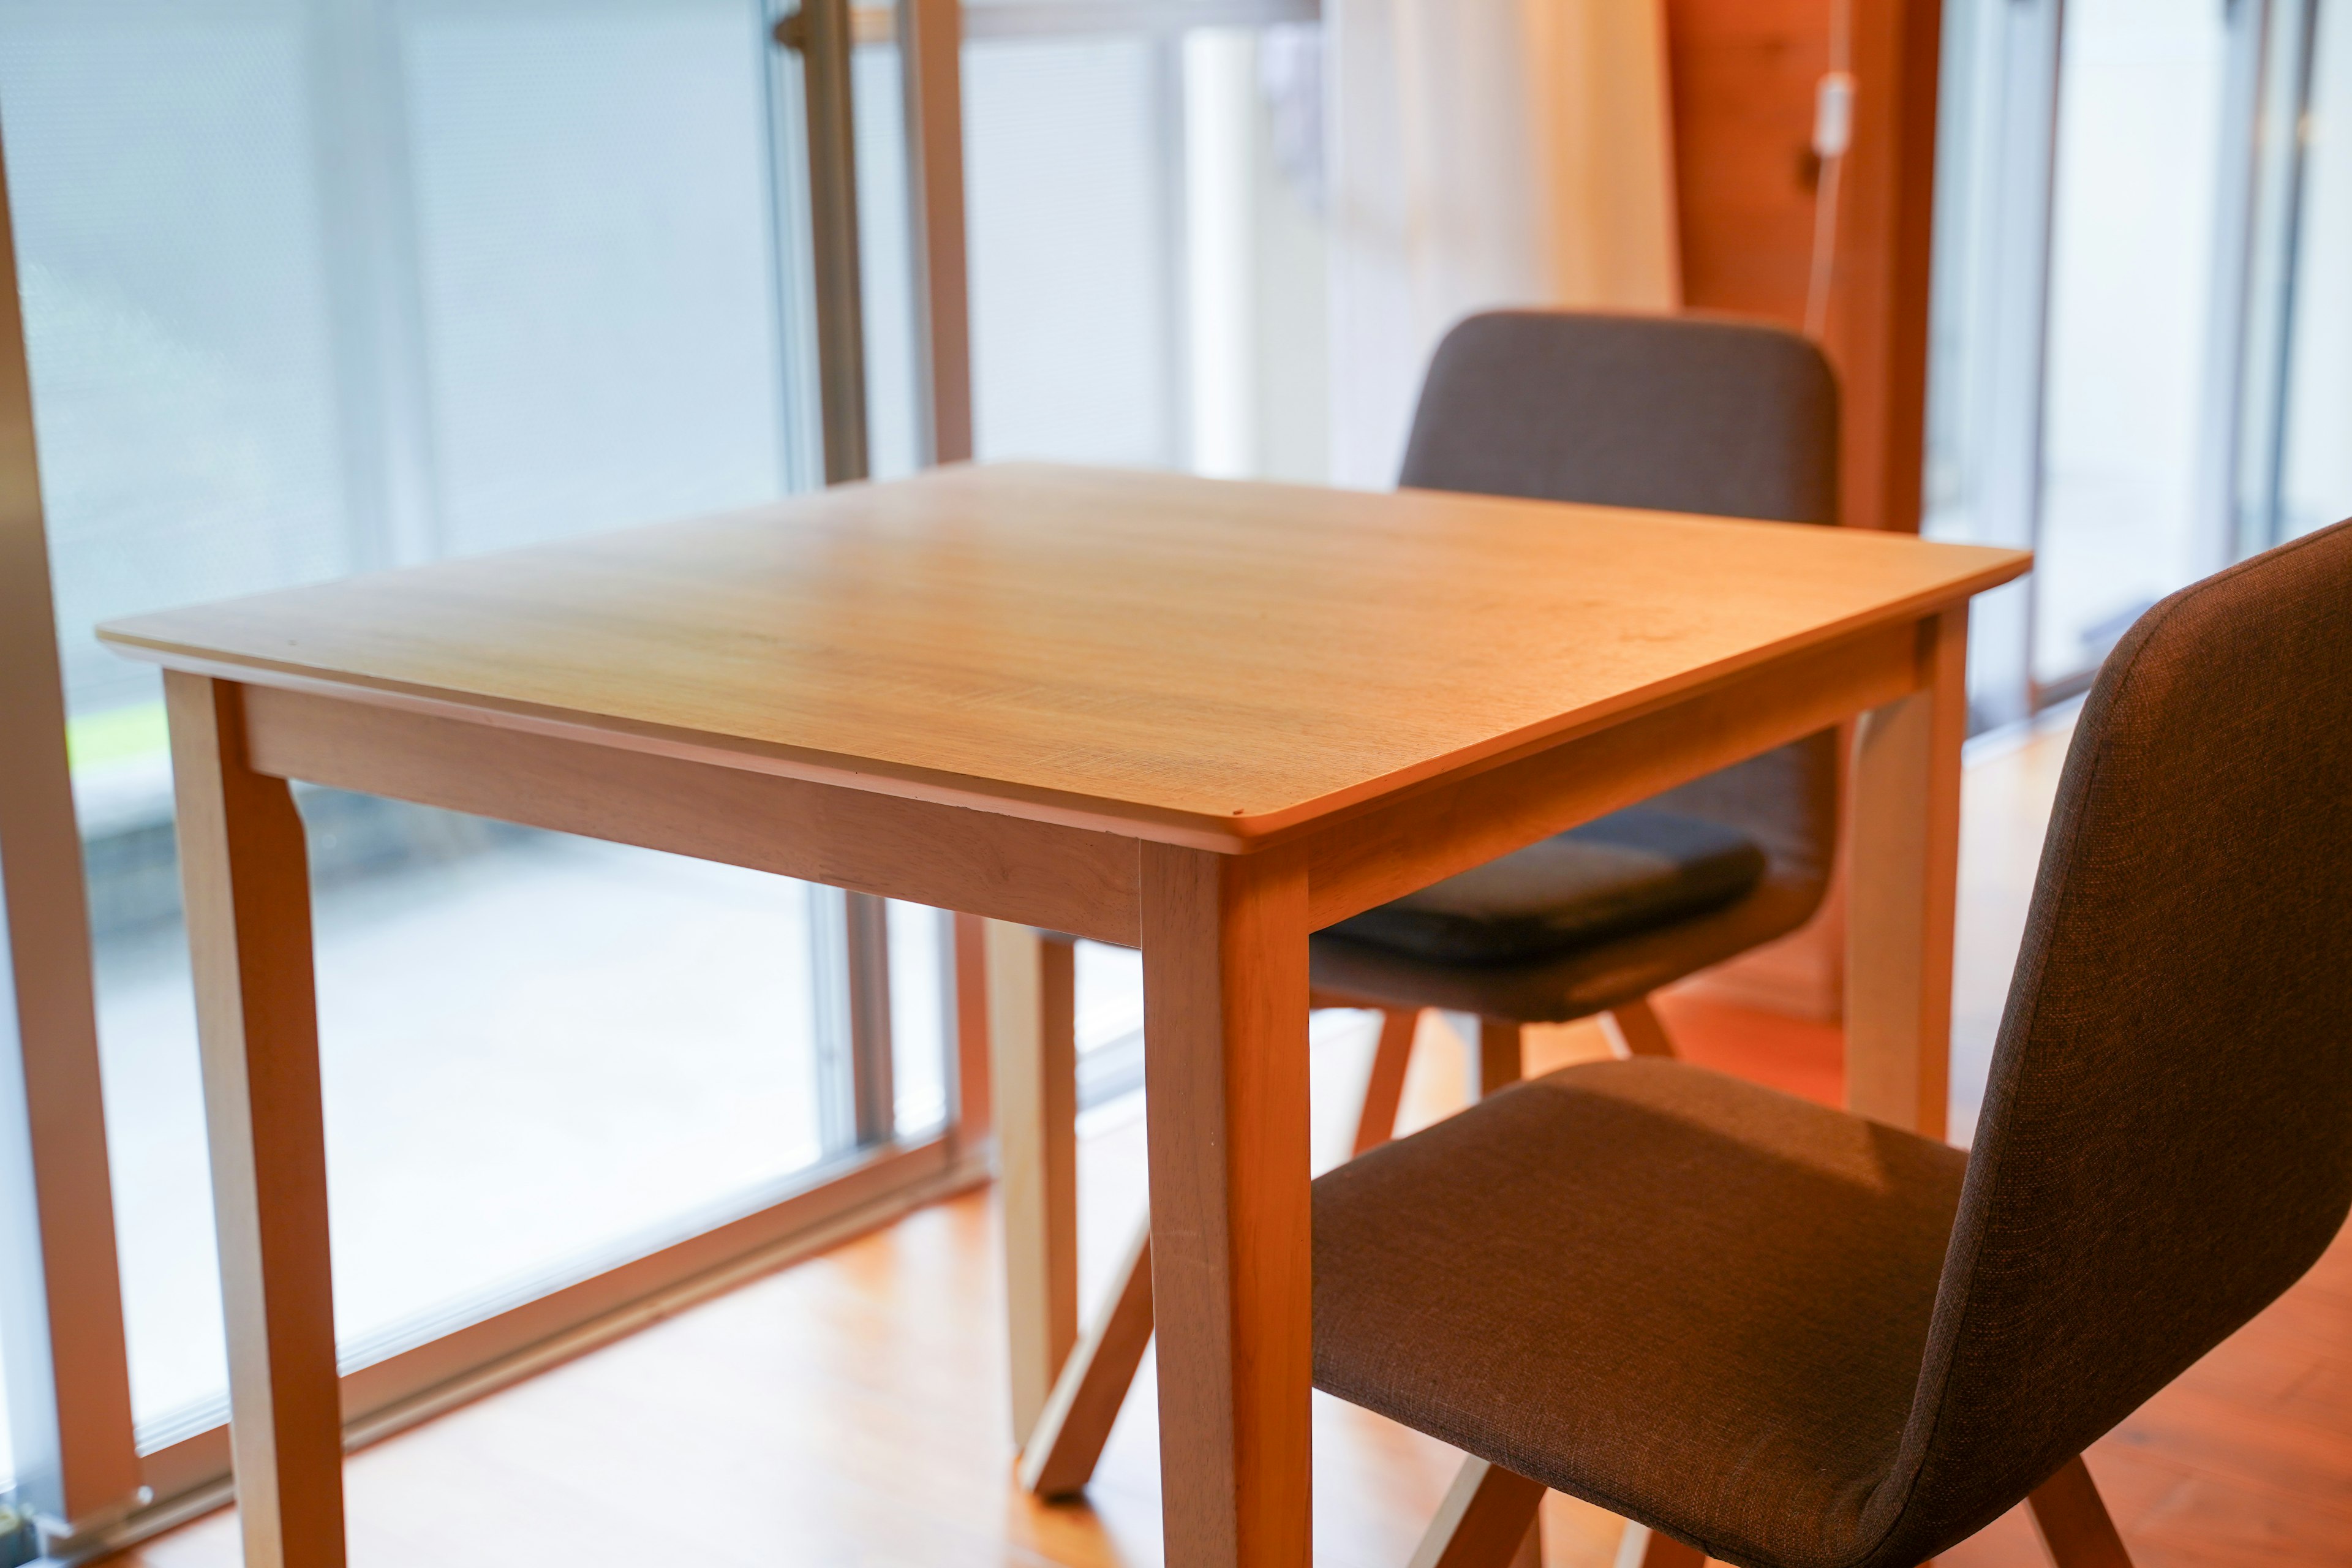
(1175, 657)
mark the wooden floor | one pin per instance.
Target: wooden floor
(851, 1410)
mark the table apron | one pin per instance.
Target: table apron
(978, 862)
(1037, 873)
(1363, 861)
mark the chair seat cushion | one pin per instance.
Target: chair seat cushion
(1696, 1303)
(1628, 871)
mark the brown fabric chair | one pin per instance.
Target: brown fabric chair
(1799, 1339)
(1670, 414)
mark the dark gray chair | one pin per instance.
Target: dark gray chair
(1678, 414)
(1670, 414)
(1799, 1339)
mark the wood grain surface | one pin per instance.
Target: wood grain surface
(246, 882)
(1196, 661)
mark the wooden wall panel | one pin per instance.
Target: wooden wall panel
(1744, 74)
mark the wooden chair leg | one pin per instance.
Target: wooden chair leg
(1530, 1553)
(1033, 1034)
(2073, 1522)
(1068, 1438)
(1487, 1521)
(1385, 1090)
(1502, 1061)
(1637, 1031)
(1641, 1547)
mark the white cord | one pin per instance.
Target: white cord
(1833, 136)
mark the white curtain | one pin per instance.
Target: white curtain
(1484, 153)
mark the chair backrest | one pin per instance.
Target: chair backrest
(1670, 414)
(2166, 1138)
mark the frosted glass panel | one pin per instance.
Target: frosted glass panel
(2315, 477)
(885, 261)
(1147, 248)
(312, 289)
(593, 235)
(164, 180)
(2139, 138)
(540, 1054)
(1073, 163)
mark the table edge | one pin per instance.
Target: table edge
(1226, 834)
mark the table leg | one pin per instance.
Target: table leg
(247, 883)
(1059, 1457)
(1905, 877)
(1224, 998)
(1033, 1032)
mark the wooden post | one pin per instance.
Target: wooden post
(1745, 73)
(1502, 1057)
(1224, 976)
(2072, 1522)
(1032, 1037)
(1384, 1089)
(1488, 1519)
(246, 882)
(975, 1119)
(1905, 877)
(1059, 1457)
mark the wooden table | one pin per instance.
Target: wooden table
(1202, 719)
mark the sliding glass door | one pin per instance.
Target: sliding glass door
(2296, 472)
(2142, 94)
(2141, 307)
(1148, 234)
(319, 287)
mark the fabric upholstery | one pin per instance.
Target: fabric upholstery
(1766, 1330)
(1785, 802)
(2165, 1143)
(1675, 414)
(1669, 1292)
(1724, 418)
(1626, 872)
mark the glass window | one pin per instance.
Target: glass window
(2315, 481)
(540, 1056)
(2131, 306)
(312, 290)
(1075, 248)
(594, 269)
(1146, 247)
(885, 261)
